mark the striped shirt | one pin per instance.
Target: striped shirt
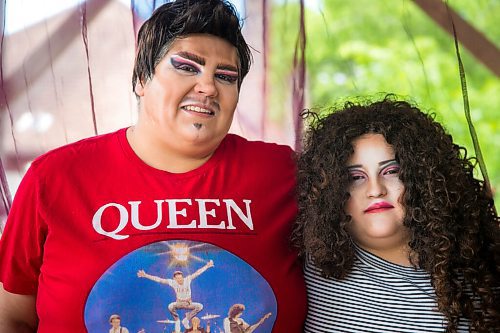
(377, 296)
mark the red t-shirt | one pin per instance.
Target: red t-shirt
(88, 217)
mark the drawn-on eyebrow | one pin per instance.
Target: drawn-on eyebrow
(230, 68)
(201, 61)
(193, 57)
(382, 164)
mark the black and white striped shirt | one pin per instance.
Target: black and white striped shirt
(377, 296)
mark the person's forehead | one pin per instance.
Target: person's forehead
(209, 47)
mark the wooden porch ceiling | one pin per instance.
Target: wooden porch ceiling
(471, 38)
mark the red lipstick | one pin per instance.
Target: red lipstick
(378, 207)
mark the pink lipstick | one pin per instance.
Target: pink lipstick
(378, 207)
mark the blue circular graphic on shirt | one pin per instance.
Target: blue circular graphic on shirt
(141, 289)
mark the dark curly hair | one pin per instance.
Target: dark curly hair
(235, 310)
(453, 227)
(181, 18)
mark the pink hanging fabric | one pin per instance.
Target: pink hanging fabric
(6, 199)
(298, 79)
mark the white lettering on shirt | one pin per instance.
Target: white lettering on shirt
(207, 216)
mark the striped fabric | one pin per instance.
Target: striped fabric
(377, 296)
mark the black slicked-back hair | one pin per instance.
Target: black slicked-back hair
(181, 18)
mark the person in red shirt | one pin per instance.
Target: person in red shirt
(163, 195)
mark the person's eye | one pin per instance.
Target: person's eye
(227, 78)
(184, 67)
(393, 170)
(356, 176)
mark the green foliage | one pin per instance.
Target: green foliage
(366, 47)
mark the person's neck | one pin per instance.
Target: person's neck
(151, 152)
(397, 255)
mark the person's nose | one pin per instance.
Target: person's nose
(376, 188)
(206, 85)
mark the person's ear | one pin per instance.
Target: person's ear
(139, 88)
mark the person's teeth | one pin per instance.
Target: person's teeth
(197, 109)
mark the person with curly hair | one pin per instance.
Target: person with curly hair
(396, 232)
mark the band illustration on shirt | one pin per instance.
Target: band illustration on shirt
(182, 285)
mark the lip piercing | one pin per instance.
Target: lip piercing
(197, 125)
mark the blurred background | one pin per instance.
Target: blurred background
(65, 69)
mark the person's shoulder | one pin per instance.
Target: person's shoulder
(275, 160)
(83, 149)
(258, 147)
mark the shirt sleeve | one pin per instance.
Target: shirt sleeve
(227, 326)
(21, 244)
